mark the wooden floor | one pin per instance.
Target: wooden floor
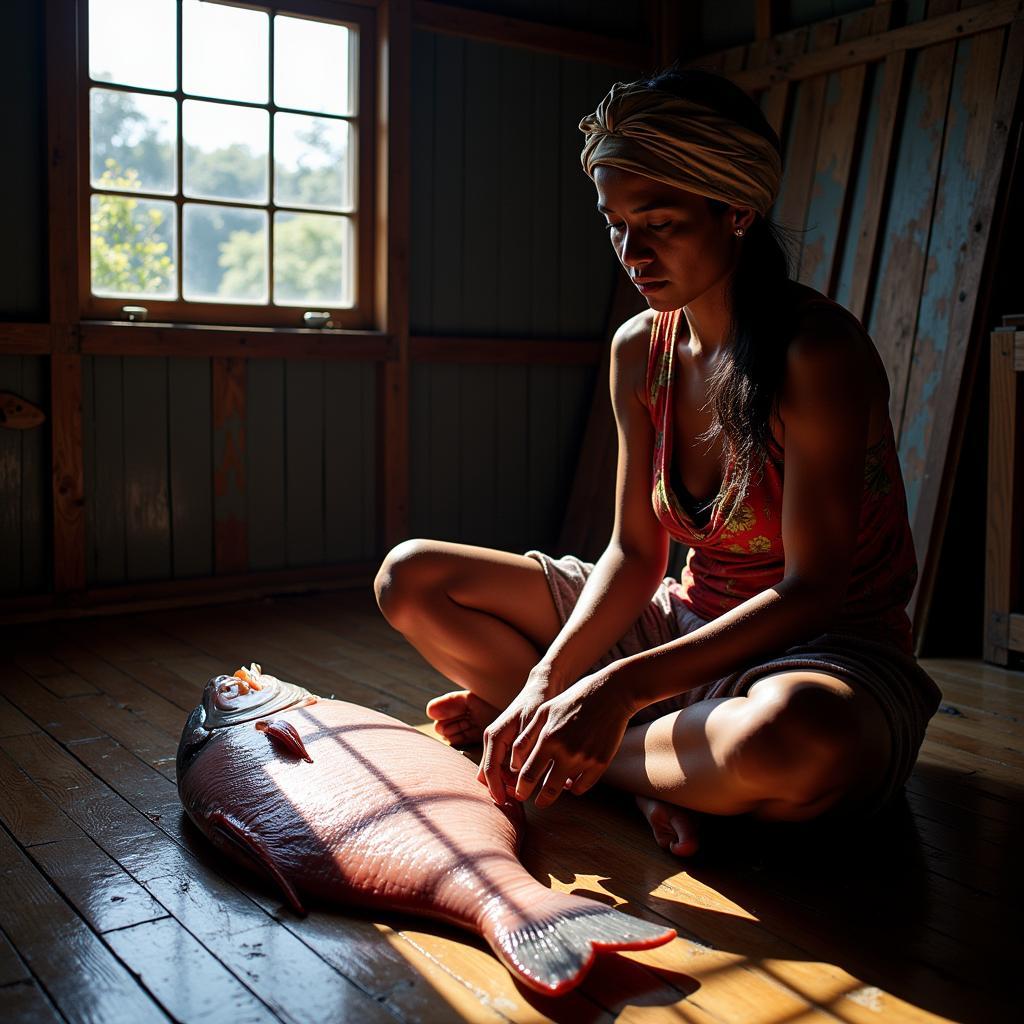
(112, 909)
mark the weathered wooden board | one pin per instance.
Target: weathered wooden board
(147, 497)
(229, 400)
(190, 470)
(905, 234)
(107, 493)
(830, 193)
(304, 461)
(265, 460)
(968, 126)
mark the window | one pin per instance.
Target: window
(226, 175)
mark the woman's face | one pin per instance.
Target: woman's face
(674, 246)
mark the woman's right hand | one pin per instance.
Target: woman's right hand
(499, 736)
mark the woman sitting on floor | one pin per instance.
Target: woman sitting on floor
(776, 677)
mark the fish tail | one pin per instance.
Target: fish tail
(551, 945)
(243, 839)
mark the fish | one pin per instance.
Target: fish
(342, 804)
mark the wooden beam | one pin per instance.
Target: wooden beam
(394, 159)
(67, 474)
(1003, 506)
(507, 351)
(228, 417)
(529, 35)
(764, 19)
(117, 338)
(137, 597)
(25, 339)
(957, 25)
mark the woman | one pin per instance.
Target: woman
(775, 677)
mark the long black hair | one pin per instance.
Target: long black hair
(744, 390)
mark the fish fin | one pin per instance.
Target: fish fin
(239, 836)
(286, 736)
(551, 948)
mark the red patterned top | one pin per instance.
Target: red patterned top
(732, 560)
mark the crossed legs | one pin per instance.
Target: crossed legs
(792, 747)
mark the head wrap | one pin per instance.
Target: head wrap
(681, 143)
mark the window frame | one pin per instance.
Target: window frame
(362, 315)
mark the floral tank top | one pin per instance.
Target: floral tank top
(733, 559)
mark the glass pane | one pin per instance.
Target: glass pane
(225, 151)
(134, 42)
(132, 140)
(311, 162)
(225, 52)
(311, 66)
(313, 260)
(225, 254)
(133, 247)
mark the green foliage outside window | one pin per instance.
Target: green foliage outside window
(132, 239)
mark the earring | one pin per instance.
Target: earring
(739, 232)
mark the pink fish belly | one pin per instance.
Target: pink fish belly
(384, 816)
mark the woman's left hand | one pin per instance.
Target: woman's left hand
(571, 739)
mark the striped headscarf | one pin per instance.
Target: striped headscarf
(681, 143)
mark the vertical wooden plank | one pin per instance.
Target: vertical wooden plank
(62, 55)
(346, 435)
(511, 484)
(580, 227)
(373, 536)
(445, 441)
(901, 270)
(191, 471)
(480, 198)
(109, 524)
(546, 261)
(147, 508)
(543, 487)
(89, 464)
(841, 119)
(477, 463)
(982, 243)
(1002, 540)
(481, 245)
(35, 498)
(517, 146)
(968, 127)
(774, 100)
(448, 264)
(420, 449)
(10, 485)
(873, 177)
(228, 400)
(421, 240)
(790, 207)
(394, 59)
(67, 472)
(265, 491)
(304, 461)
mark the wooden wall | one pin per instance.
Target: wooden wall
(295, 486)
(24, 454)
(505, 243)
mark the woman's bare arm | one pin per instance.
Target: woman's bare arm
(633, 564)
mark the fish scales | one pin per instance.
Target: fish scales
(340, 803)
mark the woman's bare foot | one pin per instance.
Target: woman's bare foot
(674, 828)
(461, 717)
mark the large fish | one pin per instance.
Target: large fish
(341, 803)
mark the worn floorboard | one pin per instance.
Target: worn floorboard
(113, 909)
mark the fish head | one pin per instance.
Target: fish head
(233, 700)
